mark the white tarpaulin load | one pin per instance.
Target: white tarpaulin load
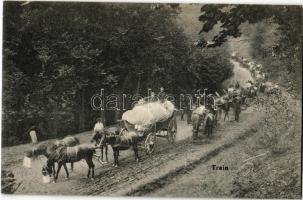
(149, 113)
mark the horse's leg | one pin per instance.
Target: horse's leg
(182, 114)
(91, 166)
(106, 152)
(117, 160)
(238, 114)
(225, 111)
(72, 166)
(59, 167)
(54, 170)
(227, 114)
(102, 153)
(206, 129)
(115, 156)
(211, 129)
(224, 115)
(136, 153)
(66, 171)
(196, 125)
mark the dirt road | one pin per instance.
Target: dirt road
(132, 178)
(130, 175)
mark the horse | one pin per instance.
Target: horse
(122, 142)
(43, 148)
(225, 106)
(236, 103)
(97, 135)
(48, 147)
(69, 141)
(197, 117)
(262, 87)
(64, 154)
(209, 123)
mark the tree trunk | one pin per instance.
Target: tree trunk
(82, 111)
(138, 85)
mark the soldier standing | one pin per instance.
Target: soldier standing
(162, 95)
(33, 134)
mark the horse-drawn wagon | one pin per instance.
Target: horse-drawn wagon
(165, 129)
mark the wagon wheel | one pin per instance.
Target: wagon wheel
(172, 131)
(149, 143)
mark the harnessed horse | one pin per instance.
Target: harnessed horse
(63, 155)
(120, 142)
(47, 148)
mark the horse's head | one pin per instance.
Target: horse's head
(96, 135)
(47, 170)
(28, 154)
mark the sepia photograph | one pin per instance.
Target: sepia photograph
(191, 100)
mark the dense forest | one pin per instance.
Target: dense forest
(273, 34)
(57, 55)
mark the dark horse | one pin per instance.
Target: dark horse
(237, 107)
(209, 122)
(197, 118)
(48, 147)
(97, 138)
(225, 106)
(121, 142)
(63, 155)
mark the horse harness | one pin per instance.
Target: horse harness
(71, 154)
(125, 139)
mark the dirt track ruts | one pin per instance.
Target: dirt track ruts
(131, 178)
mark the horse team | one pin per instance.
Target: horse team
(235, 96)
(69, 149)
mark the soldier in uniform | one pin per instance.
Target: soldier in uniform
(162, 95)
(152, 97)
(33, 134)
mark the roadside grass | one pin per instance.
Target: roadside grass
(276, 173)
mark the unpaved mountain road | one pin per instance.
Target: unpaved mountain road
(131, 178)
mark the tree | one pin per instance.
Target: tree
(57, 55)
(288, 19)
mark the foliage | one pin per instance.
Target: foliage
(277, 174)
(57, 55)
(8, 182)
(288, 50)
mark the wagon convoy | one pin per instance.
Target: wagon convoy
(140, 126)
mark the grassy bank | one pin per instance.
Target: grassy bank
(273, 169)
